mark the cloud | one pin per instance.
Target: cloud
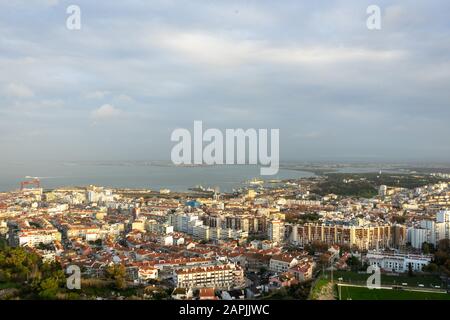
(223, 50)
(18, 90)
(123, 98)
(49, 3)
(99, 94)
(312, 69)
(106, 111)
(310, 135)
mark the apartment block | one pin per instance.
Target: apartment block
(223, 276)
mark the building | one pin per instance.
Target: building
(184, 263)
(202, 232)
(138, 225)
(417, 236)
(33, 237)
(303, 271)
(183, 222)
(398, 262)
(282, 263)
(31, 233)
(362, 237)
(146, 273)
(81, 231)
(207, 294)
(382, 191)
(430, 231)
(182, 294)
(222, 277)
(275, 231)
(286, 279)
(443, 225)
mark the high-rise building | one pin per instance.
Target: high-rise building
(443, 225)
(382, 191)
(362, 237)
(430, 231)
(275, 231)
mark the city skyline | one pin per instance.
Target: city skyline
(261, 154)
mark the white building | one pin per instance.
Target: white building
(442, 225)
(430, 231)
(282, 263)
(382, 191)
(398, 262)
(166, 240)
(178, 241)
(183, 222)
(275, 231)
(202, 232)
(32, 237)
(222, 277)
(146, 273)
(417, 236)
(192, 224)
(424, 232)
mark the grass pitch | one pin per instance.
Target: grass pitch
(361, 293)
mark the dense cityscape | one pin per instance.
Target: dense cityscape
(271, 239)
(224, 159)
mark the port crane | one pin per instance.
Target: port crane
(33, 181)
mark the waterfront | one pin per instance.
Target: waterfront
(135, 175)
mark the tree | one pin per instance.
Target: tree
(118, 274)
(444, 245)
(440, 257)
(324, 258)
(425, 248)
(410, 270)
(432, 268)
(48, 288)
(160, 295)
(262, 270)
(73, 296)
(25, 268)
(297, 291)
(354, 263)
(318, 246)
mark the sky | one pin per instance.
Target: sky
(139, 69)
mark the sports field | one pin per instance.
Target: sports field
(362, 293)
(418, 280)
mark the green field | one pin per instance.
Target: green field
(361, 293)
(428, 281)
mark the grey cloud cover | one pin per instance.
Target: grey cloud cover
(139, 69)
